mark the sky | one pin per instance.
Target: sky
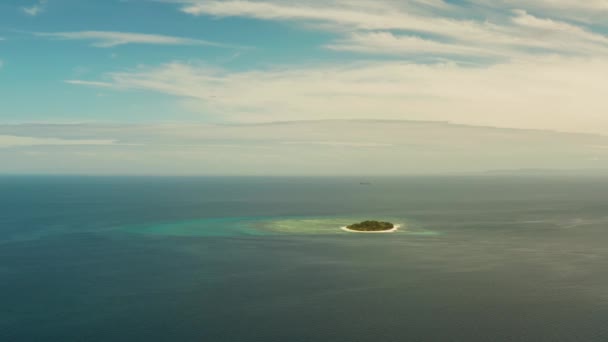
(308, 87)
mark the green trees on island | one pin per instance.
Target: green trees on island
(371, 226)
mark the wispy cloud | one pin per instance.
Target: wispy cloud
(35, 9)
(307, 147)
(588, 11)
(378, 26)
(505, 63)
(391, 44)
(519, 69)
(7, 141)
(360, 15)
(347, 144)
(91, 83)
(557, 93)
(107, 39)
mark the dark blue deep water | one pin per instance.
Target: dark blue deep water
(192, 259)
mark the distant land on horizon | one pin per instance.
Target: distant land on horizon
(540, 172)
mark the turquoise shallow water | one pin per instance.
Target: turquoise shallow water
(260, 226)
(212, 227)
(263, 259)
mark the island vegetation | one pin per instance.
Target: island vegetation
(371, 226)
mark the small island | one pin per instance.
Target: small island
(371, 227)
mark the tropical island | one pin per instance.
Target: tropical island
(371, 227)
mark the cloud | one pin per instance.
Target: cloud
(589, 11)
(35, 9)
(561, 36)
(557, 93)
(345, 147)
(361, 15)
(590, 5)
(108, 39)
(388, 43)
(91, 83)
(378, 27)
(502, 63)
(339, 143)
(7, 141)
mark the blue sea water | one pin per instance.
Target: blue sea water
(491, 258)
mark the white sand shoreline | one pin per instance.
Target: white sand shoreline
(394, 229)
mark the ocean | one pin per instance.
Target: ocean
(479, 258)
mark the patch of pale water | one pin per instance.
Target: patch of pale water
(255, 226)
